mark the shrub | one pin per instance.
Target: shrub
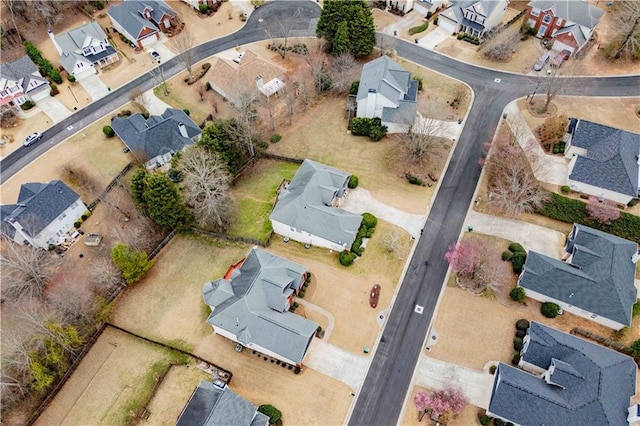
(353, 182)
(521, 334)
(203, 8)
(515, 248)
(517, 343)
(319, 329)
(361, 126)
(635, 349)
(419, 80)
(507, 255)
(207, 86)
(493, 369)
(84, 217)
(71, 78)
(413, 180)
(297, 369)
(460, 36)
(515, 359)
(377, 133)
(419, 28)
(356, 247)
(27, 105)
(272, 412)
(550, 309)
(636, 309)
(517, 294)
(108, 131)
(435, 21)
(370, 232)
(369, 220)
(346, 258)
(275, 138)
(484, 419)
(186, 111)
(565, 188)
(301, 294)
(353, 90)
(518, 262)
(522, 324)
(54, 90)
(77, 224)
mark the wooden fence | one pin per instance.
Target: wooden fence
(247, 240)
(113, 183)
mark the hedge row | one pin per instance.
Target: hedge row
(45, 67)
(575, 211)
(372, 127)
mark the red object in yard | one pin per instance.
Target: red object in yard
(374, 296)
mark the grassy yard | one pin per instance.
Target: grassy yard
(255, 193)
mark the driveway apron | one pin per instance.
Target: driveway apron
(335, 362)
(54, 109)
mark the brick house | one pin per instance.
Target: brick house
(142, 21)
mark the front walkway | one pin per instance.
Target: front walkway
(321, 311)
(360, 200)
(532, 237)
(335, 362)
(546, 168)
(54, 109)
(435, 374)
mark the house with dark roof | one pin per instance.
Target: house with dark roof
(595, 281)
(142, 21)
(214, 404)
(568, 23)
(21, 81)
(250, 306)
(307, 208)
(473, 17)
(604, 161)
(155, 140)
(564, 380)
(42, 215)
(388, 92)
(84, 49)
(421, 6)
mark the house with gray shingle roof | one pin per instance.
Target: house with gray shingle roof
(596, 281)
(564, 380)
(307, 208)
(474, 17)
(43, 214)
(250, 304)
(569, 23)
(155, 140)
(388, 92)
(215, 404)
(604, 161)
(83, 49)
(142, 21)
(21, 81)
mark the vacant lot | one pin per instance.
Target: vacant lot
(116, 377)
(255, 194)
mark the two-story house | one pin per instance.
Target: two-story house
(43, 214)
(142, 21)
(474, 17)
(84, 49)
(568, 23)
(196, 3)
(20, 81)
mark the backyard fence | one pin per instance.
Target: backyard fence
(617, 346)
(109, 187)
(247, 240)
(160, 245)
(281, 158)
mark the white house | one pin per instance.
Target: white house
(388, 92)
(306, 210)
(596, 280)
(420, 6)
(20, 81)
(474, 17)
(250, 306)
(196, 3)
(83, 49)
(43, 214)
(604, 161)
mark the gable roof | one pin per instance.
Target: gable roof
(213, 405)
(595, 383)
(251, 305)
(129, 15)
(157, 135)
(482, 7)
(579, 12)
(22, 68)
(599, 279)
(306, 204)
(611, 161)
(78, 38)
(38, 205)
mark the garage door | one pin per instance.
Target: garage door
(447, 25)
(148, 41)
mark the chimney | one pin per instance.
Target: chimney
(55, 44)
(259, 82)
(183, 130)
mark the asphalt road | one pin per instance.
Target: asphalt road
(380, 399)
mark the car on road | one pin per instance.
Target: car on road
(32, 138)
(155, 55)
(542, 61)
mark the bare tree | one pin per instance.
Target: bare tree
(139, 98)
(16, 7)
(46, 10)
(344, 70)
(387, 45)
(184, 45)
(139, 237)
(73, 298)
(626, 41)
(552, 86)
(201, 90)
(244, 103)
(160, 80)
(501, 48)
(206, 187)
(393, 243)
(267, 106)
(281, 29)
(512, 184)
(289, 97)
(25, 270)
(105, 276)
(425, 137)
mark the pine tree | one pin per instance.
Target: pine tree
(138, 185)
(164, 202)
(340, 43)
(360, 28)
(132, 264)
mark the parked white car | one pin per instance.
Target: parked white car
(32, 138)
(154, 54)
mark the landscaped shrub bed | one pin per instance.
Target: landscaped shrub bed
(469, 38)
(372, 127)
(550, 309)
(418, 29)
(571, 210)
(197, 75)
(46, 68)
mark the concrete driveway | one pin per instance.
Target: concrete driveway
(155, 105)
(360, 200)
(435, 374)
(435, 37)
(54, 109)
(335, 362)
(440, 128)
(532, 237)
(94, 86)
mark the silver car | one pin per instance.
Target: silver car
(32, 138)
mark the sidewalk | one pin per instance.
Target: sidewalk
(532, 237)
(335, 362)
(435, 374)
(546, 168)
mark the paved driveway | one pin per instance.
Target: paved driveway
(436, 374)
(94, 86)
(532, 237)
(155, 105)
(440, 128)
(335, 362)
(435, 37)
(54, 109)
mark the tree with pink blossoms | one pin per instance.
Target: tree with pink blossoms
(421, 400)
(446, 404)
(603, 211)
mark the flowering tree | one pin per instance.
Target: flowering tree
(421, 401)
(446, 403)
(463, 257)
(602, 211)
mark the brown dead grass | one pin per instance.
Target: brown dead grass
(382, 19)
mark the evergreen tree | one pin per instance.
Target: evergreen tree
(164, 202)
(360, 28)
(138, 185)
(362, 33)
(224, 137)
(341, 41)
(132, 264)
